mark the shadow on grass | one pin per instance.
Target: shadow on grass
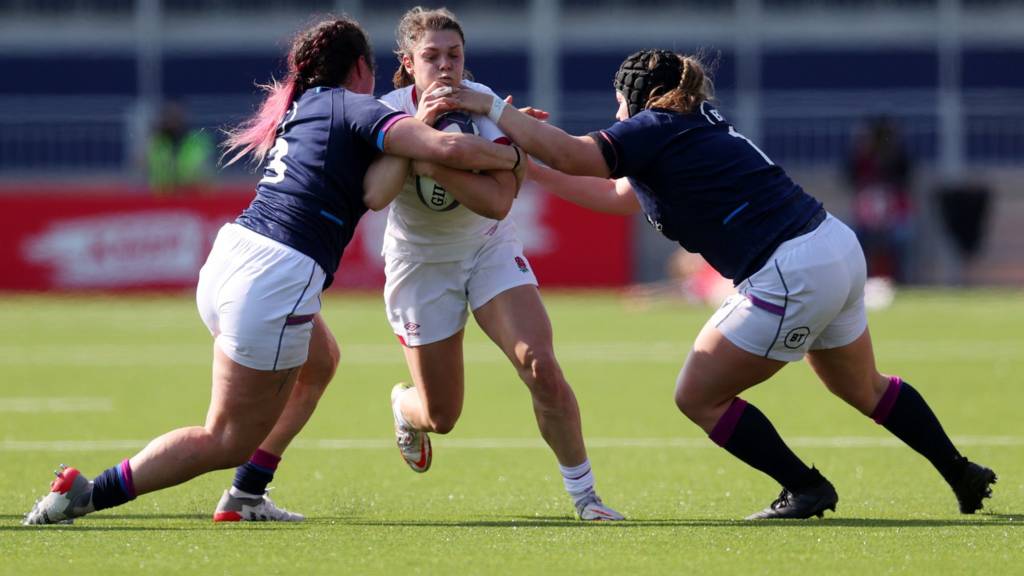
(202, 522)
(981, 520)
(113, 523)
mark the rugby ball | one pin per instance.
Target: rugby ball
(432, 194)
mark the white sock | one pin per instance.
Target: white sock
(579, 480)
(242, 493)
(396, 409)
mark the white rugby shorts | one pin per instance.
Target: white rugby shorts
(808, 296)
(427, 301)
(258, 298)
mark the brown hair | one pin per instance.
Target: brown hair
(694, 87)
(411, 28)
(321, 55)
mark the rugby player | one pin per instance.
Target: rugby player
(798, 270)
(463, 252)
(259, 291)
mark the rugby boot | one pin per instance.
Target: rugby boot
(813, 500)
(414, 445)
(70, 497)
(973, 486)
(262, 509)
(590, 508)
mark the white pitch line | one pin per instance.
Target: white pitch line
(335, 444)
(43, 405)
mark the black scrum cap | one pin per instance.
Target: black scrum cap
(636, 78)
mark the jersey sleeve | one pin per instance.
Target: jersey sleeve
(488, 129)
(393, 99)
(631, 145)
(369, 118)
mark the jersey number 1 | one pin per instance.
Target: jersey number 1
(736, 134)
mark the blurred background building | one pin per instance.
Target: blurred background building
(85, 82)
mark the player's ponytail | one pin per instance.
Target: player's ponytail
(322, 55)
(694, 87)
(411, 28)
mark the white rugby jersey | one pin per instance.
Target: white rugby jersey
(418, 233)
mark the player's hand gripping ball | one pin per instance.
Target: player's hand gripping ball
(432, 194)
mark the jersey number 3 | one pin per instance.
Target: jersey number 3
(276, 164)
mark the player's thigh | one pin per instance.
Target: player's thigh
(425, 302)
(245, 403)
(517, 322)
(438, 373)
(506, 303)
(717, 370)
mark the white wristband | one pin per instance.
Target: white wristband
(497, 107)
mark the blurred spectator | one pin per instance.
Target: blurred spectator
(879, 173)
(689, 278)
(179, 159)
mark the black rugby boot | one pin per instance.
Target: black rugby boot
(973, 486)
(811, 500)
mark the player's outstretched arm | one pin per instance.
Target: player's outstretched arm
(598, 194)
(383, 180)
(489, 194)
(415, 140)
(577, 155)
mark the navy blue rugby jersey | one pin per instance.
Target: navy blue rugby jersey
(707, 187)
(311, 194)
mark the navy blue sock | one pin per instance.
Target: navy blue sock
(113, 487)
(254, 475)
(747, 434)
(905, 413)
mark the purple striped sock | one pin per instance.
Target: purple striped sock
(888, 400)
(254, 476)
(726, 425)
(124, 472)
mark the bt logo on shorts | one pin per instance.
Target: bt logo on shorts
(795, 337)
(522, 264)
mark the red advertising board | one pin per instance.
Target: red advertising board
(115, 240)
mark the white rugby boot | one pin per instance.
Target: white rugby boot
(70, 497)
(261, 509)
(414, 445)
(590, 508)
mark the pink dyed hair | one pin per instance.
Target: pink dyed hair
(321, 55)
(256, 135)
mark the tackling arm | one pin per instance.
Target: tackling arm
(577, 155)
(383, 181)
(418, 141)
(598, 194)
(489, 194)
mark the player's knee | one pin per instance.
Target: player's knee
(683, 400)
(689, 402)
(544, 377)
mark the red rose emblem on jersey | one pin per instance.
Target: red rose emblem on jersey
(522, 264)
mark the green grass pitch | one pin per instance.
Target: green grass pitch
(87, 380)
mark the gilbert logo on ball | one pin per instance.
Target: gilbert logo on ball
(432, 194)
